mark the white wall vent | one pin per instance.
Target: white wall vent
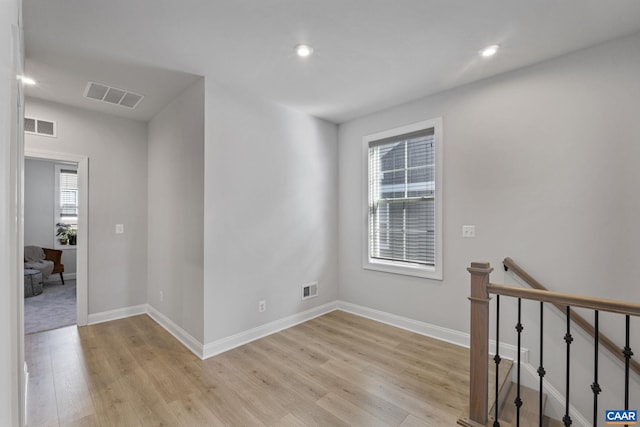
(112, 95)
(39, 127)
(310, 290)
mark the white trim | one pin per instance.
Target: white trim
(406, 269)
(65, 247)
(118, 313)
(431, 272)
(82, 247)
(12, 223)
(82, 260)
(58, 168)
(219, 346)
(555, 401)
(25, 387)
(180, 334)
(225, 344)
(222, 345)
(555, 404)
(452, 336)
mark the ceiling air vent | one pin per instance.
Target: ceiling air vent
(112, 95)
(39, 127)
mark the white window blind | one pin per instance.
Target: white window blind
(68, 193)
(402, 198)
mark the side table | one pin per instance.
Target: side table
(32, 283)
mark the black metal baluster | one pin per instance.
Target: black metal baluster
(541, 370)
(568, 339)
(595, 387)
(497, 359)
(627, 356)
(518, 401)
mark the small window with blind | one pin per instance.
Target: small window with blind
(66, 203)
(404, 220)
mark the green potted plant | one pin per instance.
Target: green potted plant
(63, 232)
(73, 233)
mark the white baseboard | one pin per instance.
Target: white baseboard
(219, 346)
(555, 401)
(225, 344)
(119, 313)
(452, 336)
(180, 334)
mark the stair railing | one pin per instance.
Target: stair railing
(578, 320)
(481, 289)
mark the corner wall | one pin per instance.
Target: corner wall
(270, 212)
(176, 211)
(543, 161)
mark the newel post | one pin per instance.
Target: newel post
(479, 343)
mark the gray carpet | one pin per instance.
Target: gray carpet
(54, 308)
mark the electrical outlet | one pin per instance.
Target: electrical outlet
(161, 296)
(262, 306)
(119, 228)
(468, 231)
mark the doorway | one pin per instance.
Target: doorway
(64, 304)
(50, 231)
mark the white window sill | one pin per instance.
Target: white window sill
(64, 247)
(404, 269)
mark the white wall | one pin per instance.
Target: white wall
(270, 211)
(38, 202)
(176, 210)
(117, 152)
(544, 161)
(11, 351)
(39, 211)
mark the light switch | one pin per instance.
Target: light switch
(468, 231)
(119, 228)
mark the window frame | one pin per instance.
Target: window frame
(58, 168)
(400, 267)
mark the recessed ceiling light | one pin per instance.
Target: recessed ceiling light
(27, 80)
(303, 50)
(489, 51)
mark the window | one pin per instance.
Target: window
(404, 220)
(66, 200)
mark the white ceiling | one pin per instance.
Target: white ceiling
(369, 54)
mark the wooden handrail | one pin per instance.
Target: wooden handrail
(481, 288)
(593, 303)
(562, 300)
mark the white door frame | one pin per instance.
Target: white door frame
(82, 252)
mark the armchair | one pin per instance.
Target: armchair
(47, 261)
(55, 255)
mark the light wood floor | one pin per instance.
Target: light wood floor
(335, 370)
